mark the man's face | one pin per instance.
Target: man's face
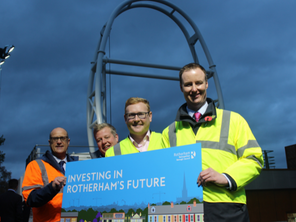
(59, 142)
(137, 126)
(105, 139)
(194, 87)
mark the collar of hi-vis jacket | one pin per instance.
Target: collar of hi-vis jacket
(182, 115)
(48, 157)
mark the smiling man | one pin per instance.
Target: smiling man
(45, 178)
(106, 137)
(138, 117)
(231, 156)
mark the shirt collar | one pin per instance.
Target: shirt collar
(201, 110)
(142, 143)
(59, 160)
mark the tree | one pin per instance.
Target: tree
(5, 176)
(113, 210)
(139, 211)
(166, 203)
(88, 215)
(81, 215)
(2, 140)
(194, 199)
(145, 214)
(130, 212)
(91, 214)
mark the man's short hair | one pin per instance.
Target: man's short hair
(13, 184)
(101, 126)
(191, 66)
(135, 100)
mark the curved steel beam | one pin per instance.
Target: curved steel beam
(97, 86)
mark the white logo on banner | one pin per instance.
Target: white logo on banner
(185, 155)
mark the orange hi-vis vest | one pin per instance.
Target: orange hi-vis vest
(39, 174)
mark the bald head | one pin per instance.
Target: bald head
(57, 129)
(59, 142)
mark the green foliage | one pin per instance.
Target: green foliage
(63, 210)
(88, 215)
(145, 214)
(130, 212)
(5, 175)
(2, 140)
(166, 203)
(2, 157)
(138, 211)
(91, 212)
(183, 202)
(113, 210)
(191, 201)
(81, 215)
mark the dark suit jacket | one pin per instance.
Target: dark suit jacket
(10, 207)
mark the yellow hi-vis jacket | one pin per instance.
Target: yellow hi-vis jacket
(127, 147)
(228, 146)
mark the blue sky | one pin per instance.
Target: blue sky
(44, 82)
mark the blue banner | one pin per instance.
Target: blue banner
(121, 182)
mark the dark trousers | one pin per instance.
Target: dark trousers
(225, 212)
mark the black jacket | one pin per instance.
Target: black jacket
(10, 207)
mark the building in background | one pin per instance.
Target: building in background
(291, 156)
(272, 195)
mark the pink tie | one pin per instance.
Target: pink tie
(197, 116)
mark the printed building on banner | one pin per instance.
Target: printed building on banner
(69, 216)
(114, 217)
(137, 218)
(120, 217)
(176, 213)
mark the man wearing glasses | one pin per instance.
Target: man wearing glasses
(45, 178)
(137, 118)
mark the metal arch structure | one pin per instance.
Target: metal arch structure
(96, 94)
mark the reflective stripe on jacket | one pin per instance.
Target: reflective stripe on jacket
(228, 146)
(127, 147)
(39, 174)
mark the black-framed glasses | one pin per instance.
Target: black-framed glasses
(62, 138)
(141, 115)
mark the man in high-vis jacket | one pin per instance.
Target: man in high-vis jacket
(231, 156)
(138, 117)
(45, 178)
